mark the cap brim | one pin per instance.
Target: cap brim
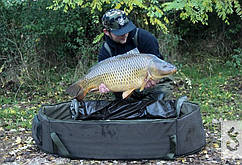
(126, 29)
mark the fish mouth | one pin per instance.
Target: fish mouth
(174, 70)
(163, 74)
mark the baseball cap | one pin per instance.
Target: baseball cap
(117, 22)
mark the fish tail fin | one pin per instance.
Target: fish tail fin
(76, 90)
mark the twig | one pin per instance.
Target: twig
(21, 55)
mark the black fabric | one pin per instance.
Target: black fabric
(36, 130)
(119, 139)
(148, 107)
(147, 43)
(190, 131)
(116, 140)
(44, 133)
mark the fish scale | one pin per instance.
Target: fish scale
(122, 73)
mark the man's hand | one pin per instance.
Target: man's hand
(103, 88)
(151, 83)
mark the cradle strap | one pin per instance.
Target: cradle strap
(108, 49)
(171, 154)
(60, 146)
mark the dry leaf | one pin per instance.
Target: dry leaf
(18, 140)
(215, 145)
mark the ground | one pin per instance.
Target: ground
(219, 97)
(17, 147)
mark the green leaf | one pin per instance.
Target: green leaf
(98, 38)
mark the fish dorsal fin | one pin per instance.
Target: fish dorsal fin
(127, 93)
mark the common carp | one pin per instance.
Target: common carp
(122, 73)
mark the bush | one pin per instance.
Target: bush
(35, 41)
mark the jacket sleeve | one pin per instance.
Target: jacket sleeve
(103, 54)
(147, 43)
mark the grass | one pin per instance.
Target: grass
(211, 84)
(216, 87)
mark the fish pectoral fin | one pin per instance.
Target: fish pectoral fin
(82, 95)
(143, 86)
(148, 77)
(94, 89)
(127, 93)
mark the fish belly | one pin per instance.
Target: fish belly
(124, 81)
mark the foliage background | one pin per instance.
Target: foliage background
(45, 45)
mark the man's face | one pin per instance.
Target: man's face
(119, 39)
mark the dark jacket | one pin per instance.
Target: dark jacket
(147, 43)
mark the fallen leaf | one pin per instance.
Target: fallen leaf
(18, 140)
(215, 145)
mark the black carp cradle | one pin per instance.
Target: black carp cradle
(122, 73)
